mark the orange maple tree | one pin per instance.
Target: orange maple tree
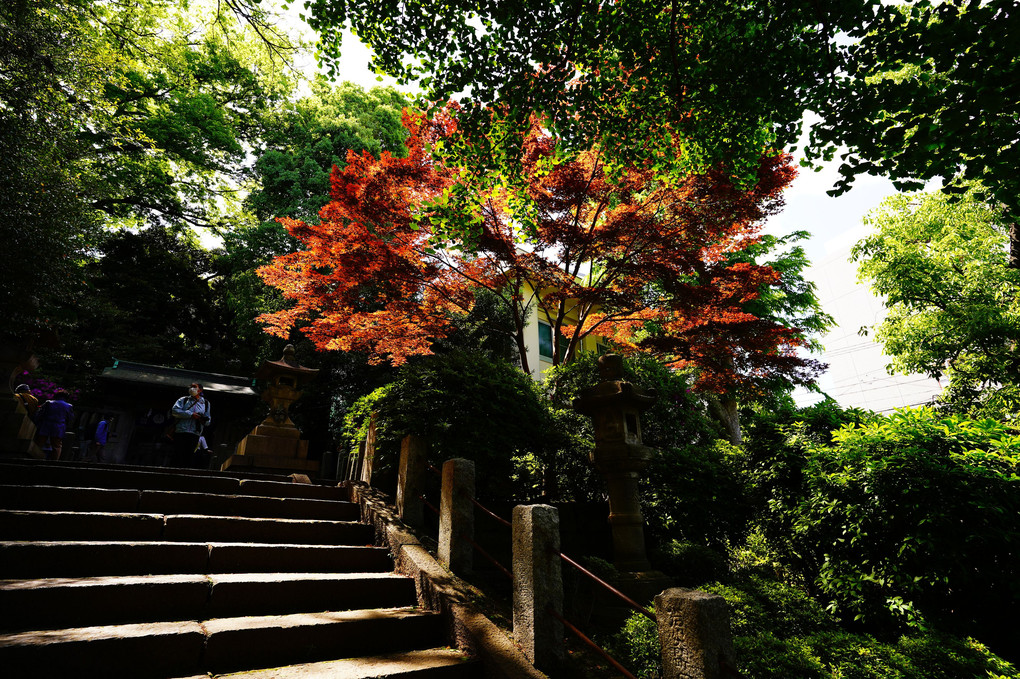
(642, 263)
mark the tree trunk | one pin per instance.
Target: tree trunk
(724, 410)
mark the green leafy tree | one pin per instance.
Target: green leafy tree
(128, 113)
(943, 267)
(631, 77)
(928, 93)
(45, 226)
(149, 299)
(305, 139)
(182, 102)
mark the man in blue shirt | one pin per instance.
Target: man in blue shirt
(192, 415)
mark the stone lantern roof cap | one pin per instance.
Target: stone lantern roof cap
(613, 390)
(287, 365)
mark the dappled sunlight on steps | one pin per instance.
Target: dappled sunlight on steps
(118, 572)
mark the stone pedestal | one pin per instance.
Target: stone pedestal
(275, 446)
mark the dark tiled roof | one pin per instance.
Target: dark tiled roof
(159, 375)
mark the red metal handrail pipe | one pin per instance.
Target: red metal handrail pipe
(630, 602)
(591, 644)
(489, 557)
(429, 505)
(491, 513)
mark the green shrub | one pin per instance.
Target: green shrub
(463, 404)
(689, 564)
(901, 521)
(916, 517)
(636, 646)
(779, 632)
(763, 656)
(760, 603)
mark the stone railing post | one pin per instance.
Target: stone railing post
(411, 481)
(538, 584)
(457, 516)
(694, 631)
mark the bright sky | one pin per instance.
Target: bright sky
(857, 375)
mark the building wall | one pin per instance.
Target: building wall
(538, 363)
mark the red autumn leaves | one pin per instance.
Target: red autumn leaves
(627, 257)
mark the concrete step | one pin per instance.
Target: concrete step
(431, 663)
(144, 478)
(182, 471)
(61, 498)
(48, 526)
(109, 477)
(67, 559)
(218, 645)
(51, 603)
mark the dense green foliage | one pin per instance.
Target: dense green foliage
(44, 224)
(901, 522)
(781, 633)
(462, 404)
(943, 269)
(914, 519)
(118, 114)
(914, 90)
(927, 94)
(304, 139)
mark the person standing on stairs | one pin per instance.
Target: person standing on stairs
(192, 414)
(27, 399)
(54, 420)
(101, 436)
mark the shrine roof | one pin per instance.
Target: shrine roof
(178, 378)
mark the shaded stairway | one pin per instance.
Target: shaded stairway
(121, 572)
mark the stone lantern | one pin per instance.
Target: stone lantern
(275, 445)
(615, 407)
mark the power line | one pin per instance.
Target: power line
(912, 405)
(883, 386)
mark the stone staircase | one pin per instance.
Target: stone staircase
(133, 572)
